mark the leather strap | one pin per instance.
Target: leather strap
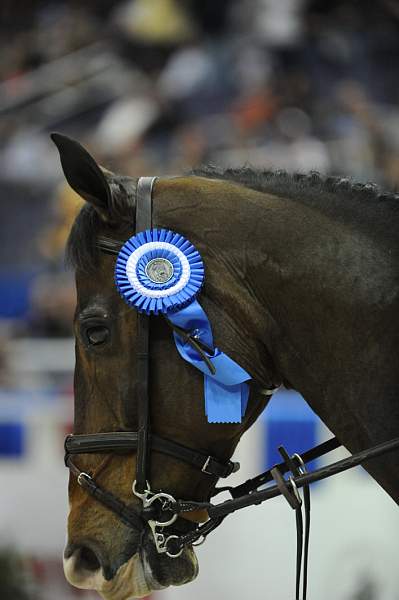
(294, 467)
(127, 441)
(107, 499)
(143, 222)
(109, 245)
(254, 483)
(144, 203)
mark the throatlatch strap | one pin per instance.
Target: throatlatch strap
(143, 222)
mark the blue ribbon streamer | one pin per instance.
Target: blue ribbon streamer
(226, 392)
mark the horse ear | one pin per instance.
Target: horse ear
(83, 173)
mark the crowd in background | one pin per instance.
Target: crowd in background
(162, 86)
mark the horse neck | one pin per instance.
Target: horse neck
(249, 241)
(308, 293)
(269, 270)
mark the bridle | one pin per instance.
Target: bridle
(142, 440)
(160, 510)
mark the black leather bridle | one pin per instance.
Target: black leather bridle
(160, 510)
(142, 440)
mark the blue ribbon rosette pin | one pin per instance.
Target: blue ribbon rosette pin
(160, 272)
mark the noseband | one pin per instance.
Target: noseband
(160, 510)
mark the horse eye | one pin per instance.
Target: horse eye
(97, 335)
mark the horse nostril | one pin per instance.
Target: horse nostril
(84, 561)
(87, 560)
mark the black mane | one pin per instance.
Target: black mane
(82, 252)
(299, 186)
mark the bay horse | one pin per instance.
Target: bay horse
(301, 289)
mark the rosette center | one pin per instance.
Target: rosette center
(159, 270)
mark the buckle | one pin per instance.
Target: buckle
(206, 465)
(228, 469)
(84, 477)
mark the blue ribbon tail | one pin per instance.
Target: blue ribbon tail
(225, 403)
(226, 391)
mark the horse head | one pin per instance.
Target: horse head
(103, 552)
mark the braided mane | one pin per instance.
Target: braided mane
(311, 188)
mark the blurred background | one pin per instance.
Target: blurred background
(160, 86)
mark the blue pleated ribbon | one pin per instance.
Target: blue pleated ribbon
(226, 392)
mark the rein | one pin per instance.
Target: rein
(161, 510)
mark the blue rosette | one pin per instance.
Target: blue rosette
(158, 271)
